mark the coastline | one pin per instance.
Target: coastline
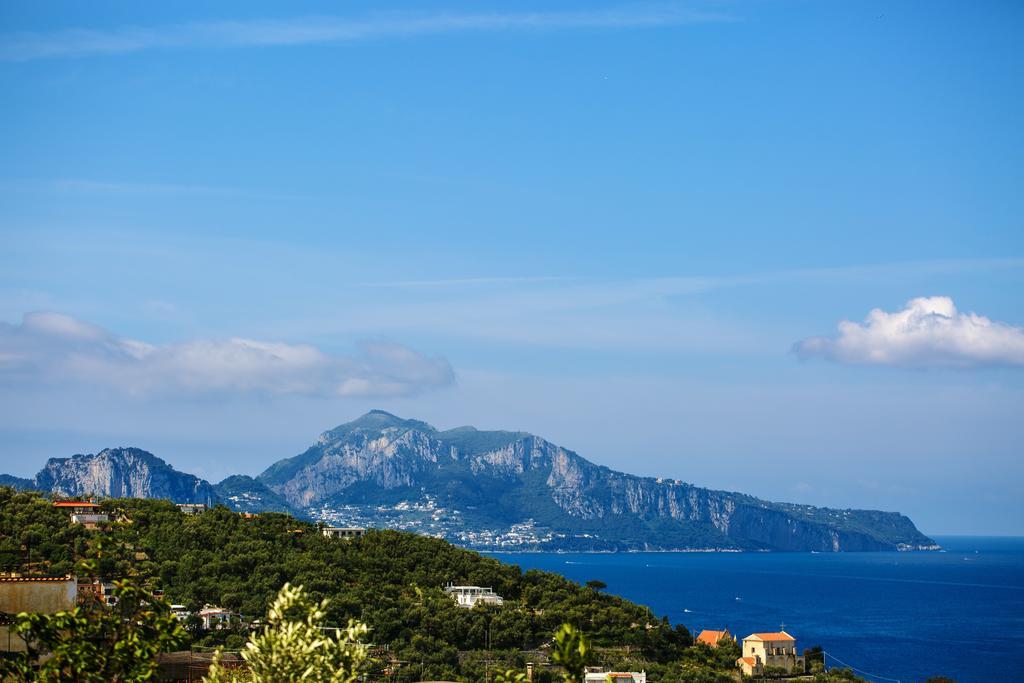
(917, 549)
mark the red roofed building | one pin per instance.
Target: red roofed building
(776, 650)
(77, 507)
(83, 512)
(713, 638)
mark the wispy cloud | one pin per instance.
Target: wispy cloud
(90, 187)
(81, 186)
(77, 185)
(55, 349)
(689, 284)
(928, 332)
(666, 314)
(468, 282)
(309, 30)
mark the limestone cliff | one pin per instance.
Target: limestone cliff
(510, 477)
(484, 481)
(122, 473)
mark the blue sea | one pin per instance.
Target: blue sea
(892, 616)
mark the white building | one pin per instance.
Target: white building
(469, 596)
(345, 532)
(89, 521)
(214, 617)
(599, 676)
(180, 612)
(192, 508)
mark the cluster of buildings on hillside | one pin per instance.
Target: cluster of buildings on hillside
(88, 512)
(760, 653)
(426, 517)
(48, 595)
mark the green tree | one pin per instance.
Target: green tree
(510, 676)
(572, 652)
(296, 645)
(814, 658)
(95, 643)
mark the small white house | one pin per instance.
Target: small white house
(180, 612)
(346, 532)
(469, 596)
(192, 508)
(214, 617)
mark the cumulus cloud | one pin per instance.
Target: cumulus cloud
(928, 332)
(54, 348)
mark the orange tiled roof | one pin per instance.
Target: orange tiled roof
(749, 660)
(33, 579)
(74, 504)
(777, 635)
(711, 637)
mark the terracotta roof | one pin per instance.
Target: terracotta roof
(749, 660)
(74, 504)
(711, 637)
(777, 635)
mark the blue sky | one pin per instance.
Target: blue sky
(631, 228)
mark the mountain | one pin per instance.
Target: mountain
(486, 490)
(496, 489)
(121, 473)
(17, 483)
(135, 473)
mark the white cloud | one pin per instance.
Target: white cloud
(54, 348)
(326, 29)
(929, 332)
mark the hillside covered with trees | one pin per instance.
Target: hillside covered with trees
(392, 581)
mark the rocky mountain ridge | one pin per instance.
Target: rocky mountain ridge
(121, 473)
(489, 489)
(503, 478)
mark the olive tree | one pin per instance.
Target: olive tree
(296, 645)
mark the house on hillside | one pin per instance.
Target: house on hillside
(470, 596)
(102, 591)
(77, 507)
(346, 532)
(89, 521)
(83, 512)
(192, 508)
(214, 617)
(598, 675)
(776, 650)
(713, 638)
(180, 612)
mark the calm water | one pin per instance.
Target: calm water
(900, 616)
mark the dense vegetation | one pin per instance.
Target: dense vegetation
(391, 581)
